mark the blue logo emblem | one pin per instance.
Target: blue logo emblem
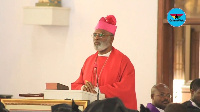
(176, 17)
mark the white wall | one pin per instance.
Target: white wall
(32, 55)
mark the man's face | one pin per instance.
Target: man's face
(196, 97)
(161, 98)
(102, 39)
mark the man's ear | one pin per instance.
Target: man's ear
(192, 91)
(112, 39)
(152, 96)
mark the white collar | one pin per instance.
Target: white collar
(194, 104)
(161, 110)
(106, 55)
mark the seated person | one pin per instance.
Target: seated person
(193, 105)
(160, 95)
(108, 105)
(176, 107)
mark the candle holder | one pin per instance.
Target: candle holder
(52, 3)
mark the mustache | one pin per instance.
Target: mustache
(165, 101)
(97, 41)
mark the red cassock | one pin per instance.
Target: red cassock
(117, 77)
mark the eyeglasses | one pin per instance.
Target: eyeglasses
(100, 35)
(165, 95)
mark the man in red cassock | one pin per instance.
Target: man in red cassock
(108, 71)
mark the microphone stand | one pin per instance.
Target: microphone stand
(97, 91)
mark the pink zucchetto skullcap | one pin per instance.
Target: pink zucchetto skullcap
(107, 23)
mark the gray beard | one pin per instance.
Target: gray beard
(103, 45)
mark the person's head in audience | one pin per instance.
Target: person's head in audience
(61, 108)
(108, 105)
(2, 108)
(175, 107)
(65, 107)
(195, 91)
(160, 95)
(144, 109)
